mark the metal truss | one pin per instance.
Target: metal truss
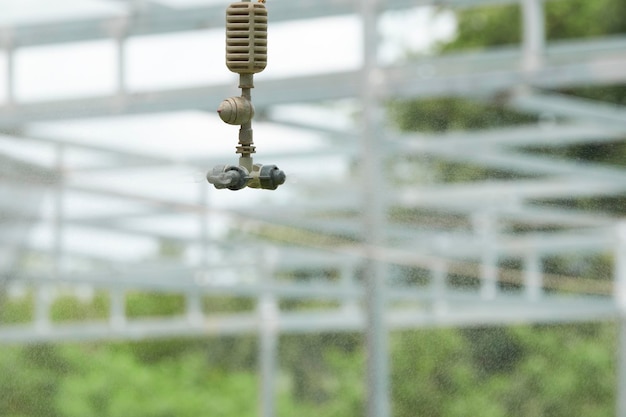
(440, 262)
(466, 74)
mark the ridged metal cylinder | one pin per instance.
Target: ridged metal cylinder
(246, 37)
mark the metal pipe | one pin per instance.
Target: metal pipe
(121, 63)
(439, 286)
(10, 74)
(194, 297)
(374, 215)
(533, 36)
(533, 276)
(268, 342)
(485, 226)
(117, 313)
(621, 368)
(620, 301)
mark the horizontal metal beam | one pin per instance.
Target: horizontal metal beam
(525, 163)
(124, 155)
(504, 196)
(576, 108)
(570, 63)
(549, 135)
(207, 282)
(152, 20)
(338, 320)
(460, 74)
(29, 247)
(537, 215)
(539, 135)
(506, 193)
(417, 245)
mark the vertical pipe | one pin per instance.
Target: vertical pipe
(621, 368)
(620, 267)
(620, 300)
(121, 62)
(268, 346)
(533, 275)
(268, 342)
(373, 186)
(117, 314)
(346, 277)
(246, 141)
(194, 297)
(44, 291)
(489, 273)
(42, 306)
(59, 212)
(193, 305)
(439, 272)
(10, 75)
(485, 225)
(203, 218)
(533, 35)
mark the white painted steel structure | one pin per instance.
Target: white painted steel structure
(342, 228)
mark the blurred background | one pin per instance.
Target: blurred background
(449, 241)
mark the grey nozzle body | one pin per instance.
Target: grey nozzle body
(266, 177)
(228, 176)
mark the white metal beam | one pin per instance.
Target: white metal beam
(340, 320)
(465, 74)
(576, 108)
(151, 20)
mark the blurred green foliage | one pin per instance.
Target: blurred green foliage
(17, 309)
(115, 384)
(70, 308)
(521, 371)
(492, 26)
(139, 304)
(442, 114)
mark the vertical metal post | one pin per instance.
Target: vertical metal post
(9, 46)
(203, 218)
(439, 272)
(59, 212)
(620, 395)
(121, 65)
(268, 342)
(194, 297)
(43, 297)
(117, 314)
(346, 277)
(374, 215)
(533, 36)
(489, 273)
(121, 33)
(485, 225)
(193, 306)
(620, 300)
(533, 276)
(268, 346)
